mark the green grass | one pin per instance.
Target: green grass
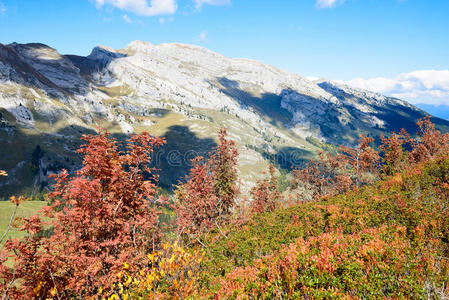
(25, 209)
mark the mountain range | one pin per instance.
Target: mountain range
(182, 92)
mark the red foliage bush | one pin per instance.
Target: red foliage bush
(265, 194)
(379, 262)
(105, 215)
(208, 196)
(363, 159)
(326, 176)
(430, 144)
(394, 156)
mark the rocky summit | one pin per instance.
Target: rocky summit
(182, 92)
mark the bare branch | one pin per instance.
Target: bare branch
(10, 222)
(54, 282)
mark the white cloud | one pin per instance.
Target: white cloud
(2, 8)
(199, 3)
(127, 19)
(164, 21)
(328, 3)
(424, 86)
(142, 7)
(202, 37)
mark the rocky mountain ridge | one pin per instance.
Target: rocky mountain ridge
(182, 92)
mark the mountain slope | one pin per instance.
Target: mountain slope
(182, 92)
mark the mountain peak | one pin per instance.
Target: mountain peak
(104, 54)
(139, 46)
(34, 51)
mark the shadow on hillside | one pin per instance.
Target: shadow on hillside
(89, 65)
(267, 105)
(286, 158)
(330, 118)
(30, 158)
(323, 116)
(173, 159)
(406, 117)
(159, 112)
(289, 158)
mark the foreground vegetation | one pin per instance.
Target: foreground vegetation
(355, 223)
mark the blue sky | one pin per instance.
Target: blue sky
(375, 44)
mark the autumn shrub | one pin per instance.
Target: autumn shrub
(373, 263)
(327, 175)
(104, 215)
(265, 195)
(393, 148)
(206, 199)
(430, 142)
(364, 160)
(334, 173)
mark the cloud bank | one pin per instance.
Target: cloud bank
(424, 86)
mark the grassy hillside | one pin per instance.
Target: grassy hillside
(386, 240)
(24, 210)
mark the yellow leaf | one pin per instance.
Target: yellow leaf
(128, 281)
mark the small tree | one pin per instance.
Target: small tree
(431, 142)
(223, 164)
(394, 155)
(208, 196)
(326, 176)
(196, 206)
(104, 216)
(364, 160)
(266, 196)
(335, 173)
(428, 144)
